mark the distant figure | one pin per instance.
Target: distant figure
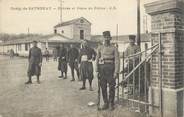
(73, 55)
(11, 54)
(62, 61)
(86, 56)
(55, 54)
(47, 54)
(116, 45)
(35, 63)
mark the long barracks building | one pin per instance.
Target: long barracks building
(69, 32)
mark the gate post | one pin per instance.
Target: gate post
(168, 23)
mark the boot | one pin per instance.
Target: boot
(111, 108)
(29, 81)
(73, 79)
(38, 80)
(61, 75)
(90, 88)
(65, 76)
(82, 88)
(105, 106)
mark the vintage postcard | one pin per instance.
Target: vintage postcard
(91, 58)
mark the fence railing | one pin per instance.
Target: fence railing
(132, 87)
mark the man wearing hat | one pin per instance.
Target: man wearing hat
(132, 47)
(86, 56)
(62, 61)
(133, 61)
(73, 56)
(35, 63)
(107, 64)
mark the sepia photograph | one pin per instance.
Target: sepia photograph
(91, 58)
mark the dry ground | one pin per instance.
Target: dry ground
(52, 98)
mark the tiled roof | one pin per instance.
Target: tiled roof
(70, 22)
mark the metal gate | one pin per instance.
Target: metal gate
(134, 80)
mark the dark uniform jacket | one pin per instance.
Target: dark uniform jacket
(73, 55)
(62, 65)
(35, 55)
(35, 58)
(62, 54)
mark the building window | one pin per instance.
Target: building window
(29, 46)
(81, 21)
(26, 47)
(81, 34)
(55, 31)
(19, 47)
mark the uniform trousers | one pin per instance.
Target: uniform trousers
(106, 72)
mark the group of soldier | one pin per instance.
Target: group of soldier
(107, 64)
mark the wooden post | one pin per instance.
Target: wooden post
(138, 24)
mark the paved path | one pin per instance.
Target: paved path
(52, 98)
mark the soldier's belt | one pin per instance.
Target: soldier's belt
(63, 58)
(87, 60)
(90, 60)
(106, 62)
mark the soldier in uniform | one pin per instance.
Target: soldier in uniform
(86, 56)
(107, 64)
(133, 61)
(73, 55)
(62, 61)
(35, 62)
(132, 47)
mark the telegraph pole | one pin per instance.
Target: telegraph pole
(61, 11)
(138, 23)
(28, 31)
(117, 27)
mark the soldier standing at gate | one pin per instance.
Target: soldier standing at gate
(35, 63)
(107, 64)
(133, 61)
(86, 56)
(73, 55)
(62, 61)
(132, 47)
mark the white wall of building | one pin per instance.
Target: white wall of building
(66, 31)
(73, 30)
(1, 49)
(19, 49)
(86, 26)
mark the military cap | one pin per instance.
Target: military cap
(107, 35)
(132, 37)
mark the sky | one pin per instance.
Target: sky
(16, 16)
